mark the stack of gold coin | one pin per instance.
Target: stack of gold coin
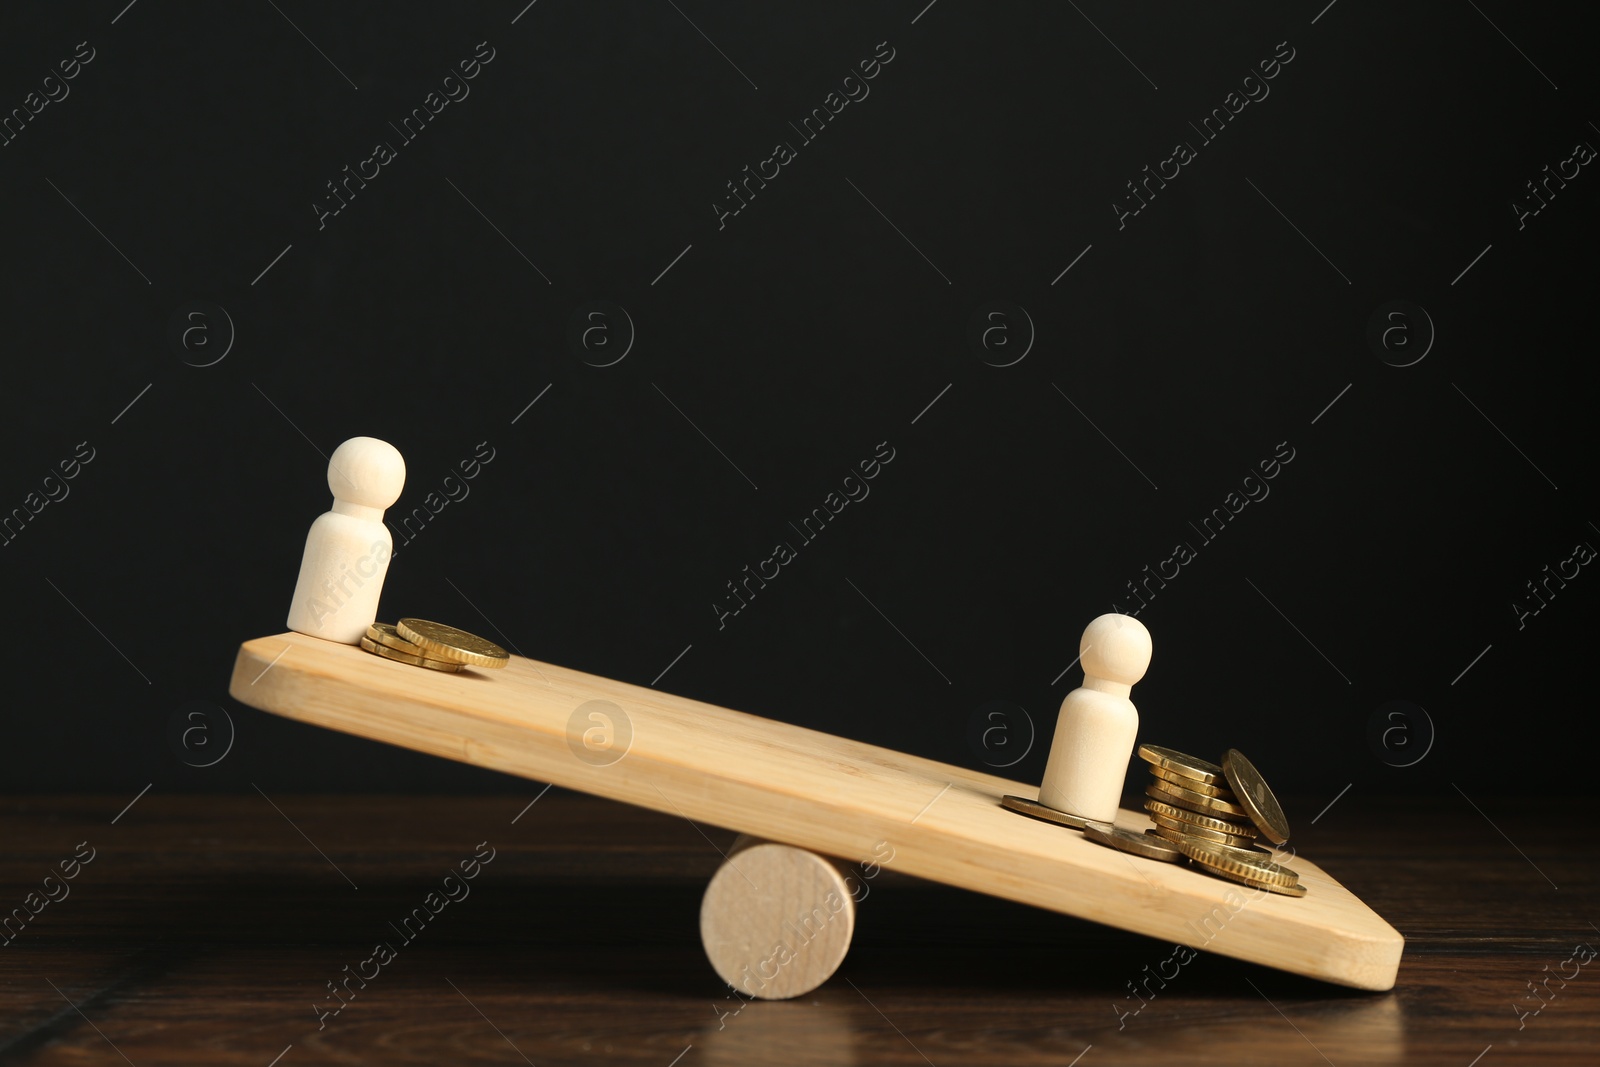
(432, 645)
(1213, 813)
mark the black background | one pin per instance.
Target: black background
(1176, 353)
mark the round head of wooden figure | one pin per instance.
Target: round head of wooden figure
(366, 472)
(1116, 648)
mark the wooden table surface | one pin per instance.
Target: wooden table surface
(206, 930)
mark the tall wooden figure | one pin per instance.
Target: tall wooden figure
(348, 548)
(1098, 726)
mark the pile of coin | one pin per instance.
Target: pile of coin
(1212, 814)
(432, 645)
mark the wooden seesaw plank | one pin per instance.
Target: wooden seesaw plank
(813, 790)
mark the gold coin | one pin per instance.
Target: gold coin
(1136, 844)
(1173, 830)
(1024, 806)
(1247, 852)
(406, 657)
(384, 633)
(1294, 890)
(447, 642)
(1234, 828)
(1193, 784)
(1187, 798)
(1262, 870)
(1252, 792)
(1180, 763)
(1242, 846)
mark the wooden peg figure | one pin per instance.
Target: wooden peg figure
(1098, 726)
(348, 549)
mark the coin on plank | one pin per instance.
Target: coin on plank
(1132, 842)
(1173, 830)
(398, 656)
(1236, 828)
(384, 633)
(447, 642)
(1231, 862)
(1257, 800)
(1194, 784)
(1296, 889)
(1186, 798)
(1182, 763)
(1247, 852)
(1024, 806)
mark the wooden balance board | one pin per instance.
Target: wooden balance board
(813, 791)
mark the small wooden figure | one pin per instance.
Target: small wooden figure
(348, 549)
(1098, 726)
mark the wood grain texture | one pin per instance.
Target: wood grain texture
(812, 790)
(206, 926)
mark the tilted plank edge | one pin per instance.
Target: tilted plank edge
(814, 790)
